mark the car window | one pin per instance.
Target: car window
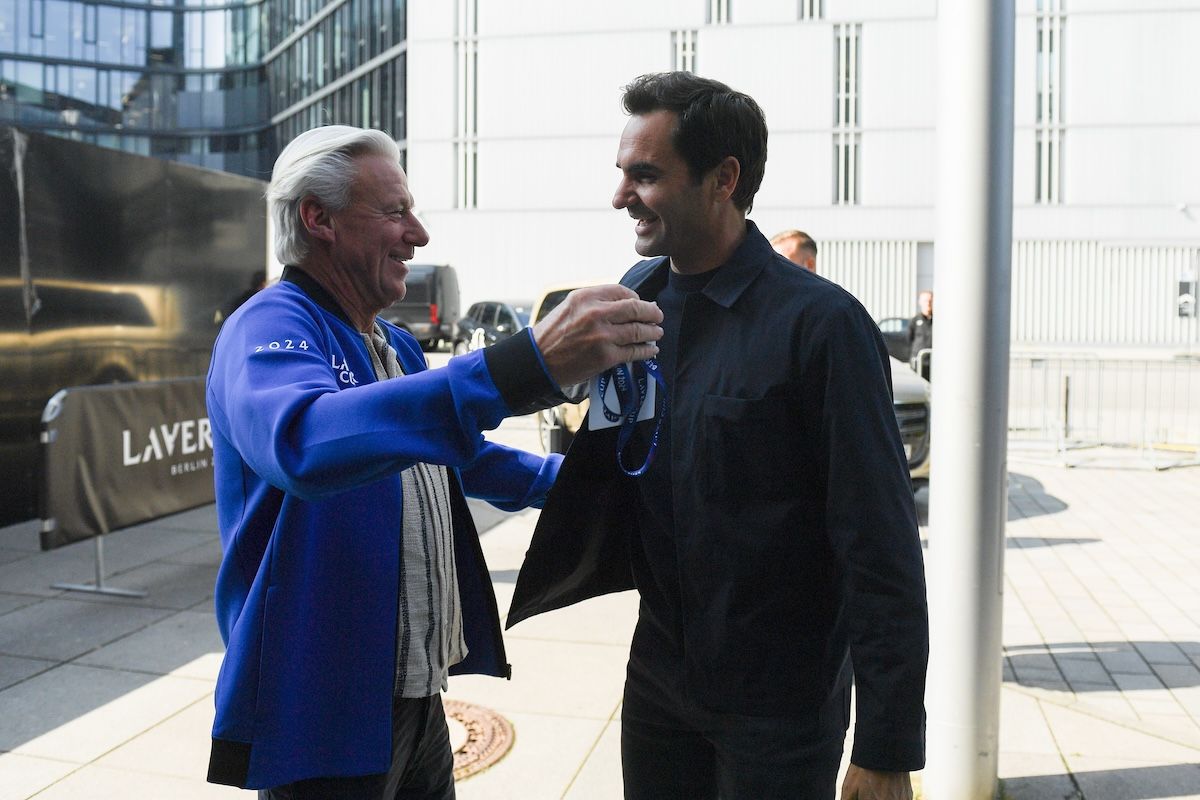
(473, 312)
(488, 315)
(504, 316)
(551, 302)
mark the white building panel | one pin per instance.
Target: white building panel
(518, 254)
(1088, 293)
(899, 74)
(1127, 8)
(528, 18)
(547, 173)
(1119, 166)
(431, 90)
(1132, 68)
(864, 10)
(881, 274)
(787, 69)
(757, 12)
(1025, 73)
(431, 175)
(799, 172)
(431, 19)
(898, 168)
(1024, 167)
(520, 96)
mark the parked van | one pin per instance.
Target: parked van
(430, 306)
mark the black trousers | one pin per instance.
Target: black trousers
(673, 750)
(422, 764)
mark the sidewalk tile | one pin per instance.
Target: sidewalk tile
(22, 776)
(1128, 779)
(78, 713)
(101, 783)
(186, 644)
(546, 756)
(14, 669)
(171, 746)
(600, 776)
(63, 628)
(562, 678)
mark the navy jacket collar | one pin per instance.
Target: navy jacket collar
(315, 291)
(731, 278)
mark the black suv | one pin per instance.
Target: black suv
(490, 321)
(430, 305)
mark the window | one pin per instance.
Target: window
(89, 23)
(847, 134)
(1048, 137)
(718, 12)
(466, 140)
(37, 18)
(810, 9)
(683, 51)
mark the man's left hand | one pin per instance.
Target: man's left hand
(873, 784)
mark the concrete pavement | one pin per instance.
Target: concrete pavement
(112, 698)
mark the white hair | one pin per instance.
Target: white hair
(318, 163)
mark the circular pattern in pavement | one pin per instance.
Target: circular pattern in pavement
(488, 737)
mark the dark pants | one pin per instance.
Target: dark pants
(673, 750)
(422, 764)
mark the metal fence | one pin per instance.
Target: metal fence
(1072, 402)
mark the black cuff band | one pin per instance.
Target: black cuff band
(517, 370)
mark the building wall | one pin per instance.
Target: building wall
(548, 121)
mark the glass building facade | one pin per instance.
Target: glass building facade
(218, 84)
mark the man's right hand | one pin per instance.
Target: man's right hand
(595, 329)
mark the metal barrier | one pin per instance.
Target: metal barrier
(1071, 403)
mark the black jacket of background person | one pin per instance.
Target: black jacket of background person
(920, 334)
(797, 535)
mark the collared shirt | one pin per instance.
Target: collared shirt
(429, 630)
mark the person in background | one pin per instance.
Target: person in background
(258, 280)
(772, 537)
(352, 582)
(920, 334)
(797, 247)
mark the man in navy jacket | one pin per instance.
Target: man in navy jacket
(352, 581)
(773, 538)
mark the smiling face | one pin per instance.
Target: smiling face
(674, 213)
(358, 253)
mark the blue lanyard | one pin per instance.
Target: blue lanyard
(631, 394)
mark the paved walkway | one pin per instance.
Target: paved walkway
(112, 698)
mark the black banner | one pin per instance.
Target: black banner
(122, 454)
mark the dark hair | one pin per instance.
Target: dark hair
(714, 122)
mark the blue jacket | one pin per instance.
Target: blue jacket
(307, 449)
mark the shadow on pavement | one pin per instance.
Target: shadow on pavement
(1091, 666)
(1132, 783)
(1027, 498)
(66, 654)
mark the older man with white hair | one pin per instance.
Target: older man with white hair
(352, 581)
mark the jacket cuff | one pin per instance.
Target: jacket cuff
(229, 762)
(888, 753)
(517, 369)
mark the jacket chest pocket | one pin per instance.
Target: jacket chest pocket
(749, 448)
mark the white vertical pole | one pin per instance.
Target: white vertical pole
(972, 287)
